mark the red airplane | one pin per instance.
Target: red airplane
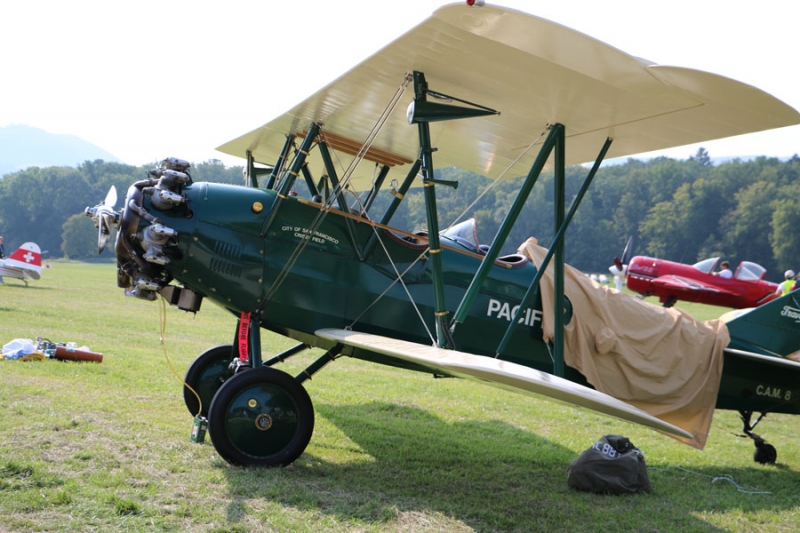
(700, 282)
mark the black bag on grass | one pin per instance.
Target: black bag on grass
(611, 466)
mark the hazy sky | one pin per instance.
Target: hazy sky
(148, 79)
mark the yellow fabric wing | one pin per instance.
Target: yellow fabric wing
(534, 72)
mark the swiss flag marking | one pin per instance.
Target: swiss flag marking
(28, 254)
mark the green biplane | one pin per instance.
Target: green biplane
(300, 251)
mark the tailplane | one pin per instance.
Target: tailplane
(770, 329)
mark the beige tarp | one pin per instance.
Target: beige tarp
(659, 360)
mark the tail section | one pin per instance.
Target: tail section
(27, 257)
(770, 329)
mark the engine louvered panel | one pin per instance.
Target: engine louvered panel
(227, 259)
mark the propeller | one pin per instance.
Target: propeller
(627, 253)
(104, 217)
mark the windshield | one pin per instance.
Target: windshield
(706, 265)
(748, 271)
(463, 233)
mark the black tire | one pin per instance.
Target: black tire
(262, 417)
(206, 375)
(765, 454)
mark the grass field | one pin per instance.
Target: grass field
(105, 447)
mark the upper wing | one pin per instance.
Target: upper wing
(500, 373)
(535, 72)
(679, 284)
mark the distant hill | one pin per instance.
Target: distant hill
(23, 146)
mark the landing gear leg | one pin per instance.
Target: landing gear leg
(670, 301)
(765, 453)
(262, 417)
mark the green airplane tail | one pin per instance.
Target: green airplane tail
(770, 329)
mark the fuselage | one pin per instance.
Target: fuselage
(299, 267)
(307, 267)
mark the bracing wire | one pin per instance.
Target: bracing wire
(344, 182)
(367, 144)
(499, 178)
(398, 279)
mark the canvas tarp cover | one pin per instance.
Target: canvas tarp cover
(658, 359)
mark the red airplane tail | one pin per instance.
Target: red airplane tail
(27, 257)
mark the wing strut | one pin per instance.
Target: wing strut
(558, 243)
(507, 225)
(555, 141)
(376, 187)
(421, 113)
(288, 181)
(338, 191)
(276, 170)
(398, 197)
(253, 172)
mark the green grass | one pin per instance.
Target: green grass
(106, 447)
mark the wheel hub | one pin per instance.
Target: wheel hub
(263, 422)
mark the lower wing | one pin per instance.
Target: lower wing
(503, 374)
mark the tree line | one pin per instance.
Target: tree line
(681, 210)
